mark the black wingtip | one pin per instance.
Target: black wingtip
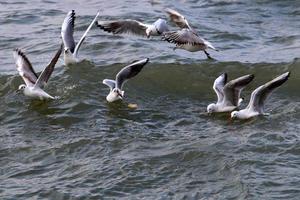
(73, 13)
(19, 52)
(251, 76)
(288, 74)
(225, 77)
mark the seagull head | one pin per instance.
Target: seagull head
(161, 26)
(234, 115)
(67, 51)
(21, 88)
(114, 95)
(211, 108)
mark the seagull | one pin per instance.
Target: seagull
(258, 98)
(186, 38)
(134, 27)
(67, 30)
(33, 83)
(116, 92)
(228, 93)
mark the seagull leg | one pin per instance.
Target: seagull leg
(207, 54)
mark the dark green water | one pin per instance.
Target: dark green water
(81, 147)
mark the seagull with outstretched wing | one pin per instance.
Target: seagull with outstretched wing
(258, 98)
(228, 93)
(67, 30)
(134, 27)
(116, 92)
(186, 38)
(34, 83)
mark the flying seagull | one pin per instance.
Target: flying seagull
(259, 97)
(67, 30)
(134, 27)
(228, 93)
(186, 38)
(34, 83)
(116, 92)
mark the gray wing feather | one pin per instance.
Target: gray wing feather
(110, 83)
(46, 73)
(178, 19)
(233, 88)
(123, 27)
(67, 30)
(260, 94)
(25, 68)
(129, 72)
(184, 36)
(84, 35)
(219, 86)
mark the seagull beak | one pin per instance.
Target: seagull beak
(120, 95)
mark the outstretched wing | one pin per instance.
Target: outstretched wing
(183, 36)
(46, 73)
(25, 68)
(67, 30)
(123, 27)
(129, 72)
(84, 35)
(219, 86)
(260, 94)
(110, 83)
(233, 88)
(178, 19)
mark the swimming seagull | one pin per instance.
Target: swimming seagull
(67, 30)
(228, 93)
(259, 97)
(134, 27)
(126, 73)
(33, 83)
(186, 38)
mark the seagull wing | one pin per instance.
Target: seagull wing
(178, 19)
(219, 86)
(46, 73)
(183, 36)
(110, 83)
(25, 68)
(129, 72)
(67, 30)
(260, 94)
(233, 88)
(123, 27)
(84, 35)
